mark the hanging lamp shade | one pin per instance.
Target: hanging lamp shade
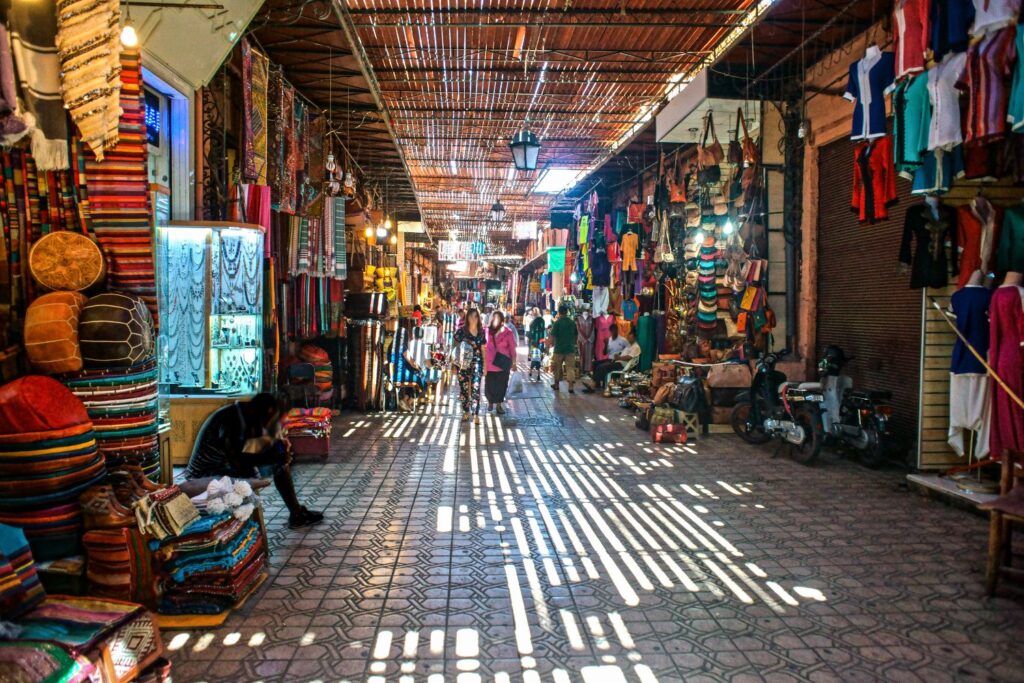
(525, 149)
(497, 211)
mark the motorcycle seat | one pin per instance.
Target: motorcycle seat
(870, 396)
(809, 386)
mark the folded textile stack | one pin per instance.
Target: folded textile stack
(66, 638)
(323, 376)
(116, 193)
(165, 513)
(212, 565)
(314, 422)
(48, 456)
(122, 403)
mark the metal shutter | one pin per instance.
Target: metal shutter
(865, 305)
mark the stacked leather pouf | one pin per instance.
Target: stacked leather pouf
(118, 382)
(48, 457)
(101, 347)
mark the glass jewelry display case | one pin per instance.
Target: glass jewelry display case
(210, 293)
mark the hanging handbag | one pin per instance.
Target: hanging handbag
(735, 155)
(709, 157)
(663, 250)
(751, 155)
(677, 182)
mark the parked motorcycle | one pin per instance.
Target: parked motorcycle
(776, 409)
(853, 418)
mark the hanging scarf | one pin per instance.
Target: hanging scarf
(255, 75)
(340, 265)
(33, 41)
(12, 125)
(286, 199)
(89, 49)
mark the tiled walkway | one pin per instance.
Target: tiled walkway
(557, 544)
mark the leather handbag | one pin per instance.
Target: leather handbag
(502, 361)
(751, 156)
(677, 182)
(735, 155)
(709, 157)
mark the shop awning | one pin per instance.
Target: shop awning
(192, 43)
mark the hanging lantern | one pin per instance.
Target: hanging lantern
(525, 149)
(497, 211)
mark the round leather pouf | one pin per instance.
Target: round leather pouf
(115, 329)
(66, 261)
(38, 404)
(51, 332)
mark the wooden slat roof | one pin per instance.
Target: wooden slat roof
(461, 77)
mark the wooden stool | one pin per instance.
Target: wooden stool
(692, 423)
(1005, 511)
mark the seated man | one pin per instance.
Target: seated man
(620, 351)
(243, 438)
(418, 357)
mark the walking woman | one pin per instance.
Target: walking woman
(500, 355)
(472, 334)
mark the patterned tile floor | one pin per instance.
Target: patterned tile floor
(557, 544)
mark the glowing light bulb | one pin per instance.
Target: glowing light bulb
(728, 228)
(699, 236)
(368, 232)
(394, 239)
(129, 38)
(573, 277)
(382, 232)
(387, 223)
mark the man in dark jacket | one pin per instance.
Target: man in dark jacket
(243, 440)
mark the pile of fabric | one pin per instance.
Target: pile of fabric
(323, 376)
(166, 513)
(122, 403)
(212, 565)
(48, 456)
(312, 422)
(66, 638)
(116, 193)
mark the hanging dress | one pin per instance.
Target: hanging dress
(1006, 314)
(602, 333)
(585, 336)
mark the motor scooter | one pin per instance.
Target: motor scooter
(774, 408)
(853, 418)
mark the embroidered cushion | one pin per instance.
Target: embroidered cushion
(115, 329)
(51, 332)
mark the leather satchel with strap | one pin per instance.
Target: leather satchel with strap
(735, 156)
(677, 182)
(709, 155)
(751, 155)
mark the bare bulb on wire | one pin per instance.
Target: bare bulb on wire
(129, 38)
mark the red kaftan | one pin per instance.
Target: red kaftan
(1006, 314)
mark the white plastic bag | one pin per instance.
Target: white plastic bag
(515, 384)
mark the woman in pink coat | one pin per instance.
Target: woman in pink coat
(499, 361)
